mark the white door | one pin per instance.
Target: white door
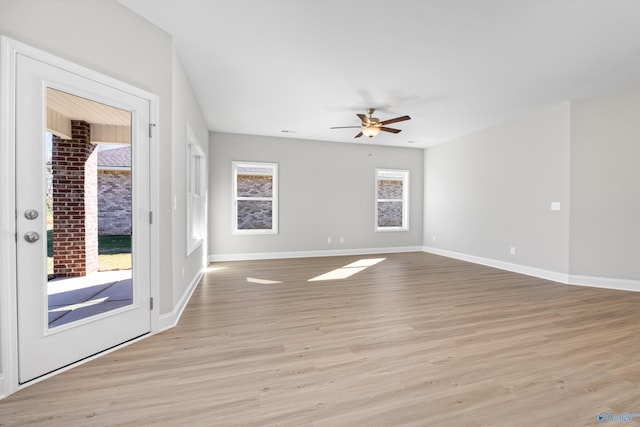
(102, 309)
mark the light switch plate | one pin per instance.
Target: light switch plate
(555, 206)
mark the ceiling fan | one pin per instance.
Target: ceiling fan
(371, 126)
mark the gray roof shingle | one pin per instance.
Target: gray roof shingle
(115, 158)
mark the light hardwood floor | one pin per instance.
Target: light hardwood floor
(416, 340)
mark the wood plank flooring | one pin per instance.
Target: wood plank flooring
(415, 340)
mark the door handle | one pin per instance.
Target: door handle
(31, 214)
(31, 236)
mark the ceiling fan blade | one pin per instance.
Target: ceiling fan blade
(358, 135)
(364, 118)
(396, 120)
(346, 127)
(392, 130)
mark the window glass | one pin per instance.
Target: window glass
(195, 198)
(392, 199)
(255, 198)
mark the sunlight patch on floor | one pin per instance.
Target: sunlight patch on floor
(348, 270)
(262, 281)
(364, 263)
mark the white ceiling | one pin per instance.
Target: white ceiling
(455, 66)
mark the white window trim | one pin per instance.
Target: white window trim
(405, 200)
(234, 199)
(195, 201)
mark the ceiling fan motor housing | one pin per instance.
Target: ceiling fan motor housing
(371, 126)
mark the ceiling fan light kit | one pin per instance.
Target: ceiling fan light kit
(371, 126)
(370, 131)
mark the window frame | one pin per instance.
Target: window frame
(405, 174)
(196, 200)
(235, 165)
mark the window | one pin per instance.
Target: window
(255, 198)
(196, 203)
(392, 200)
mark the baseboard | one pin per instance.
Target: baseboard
(309, 254)
(167, 321)
(502, 265)
(605, 282)
(171, 319)
(569, 279)
(3, 390)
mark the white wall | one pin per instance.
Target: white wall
(185, 110)
(605, 187)
(491, 190)
(326, 190)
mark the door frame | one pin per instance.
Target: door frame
(9, 49)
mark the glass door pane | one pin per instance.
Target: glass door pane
(88, 171)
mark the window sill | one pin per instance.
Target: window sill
(253, 232)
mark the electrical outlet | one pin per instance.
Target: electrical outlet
(555, 206)
(341, 239)
(433, 237)
(512, 250)
(329, 240)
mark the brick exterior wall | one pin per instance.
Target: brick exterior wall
(389, 189)
(390, 213)
(255, 186)
(75, 203)
(255, 214)
(114, 202)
